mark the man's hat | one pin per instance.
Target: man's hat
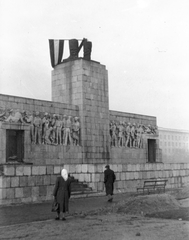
(107, 166)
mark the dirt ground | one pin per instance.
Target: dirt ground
(134, 218)
(107, 227)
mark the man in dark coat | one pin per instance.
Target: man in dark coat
(61, 193)
(109, 179)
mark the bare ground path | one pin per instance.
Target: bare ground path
(25, 213)
(106, 227)
(95, 218)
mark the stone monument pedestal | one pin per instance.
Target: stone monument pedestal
(85, 84)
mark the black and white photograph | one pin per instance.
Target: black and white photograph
(94, 120)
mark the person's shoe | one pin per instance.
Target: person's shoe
(57, 218)
(63, 219)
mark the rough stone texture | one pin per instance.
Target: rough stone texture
(94, 111)
(79, 88)
(19, 193)
(9, 170)
(27, 170)
(85, 83)
(20, 171)
(39, 186)
(15, 182)
(43, 154)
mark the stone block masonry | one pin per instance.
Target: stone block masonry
(85, 83)
(37, 154)
(20, 184)
(79, 88)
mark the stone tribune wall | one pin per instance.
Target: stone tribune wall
(28, 183)
(83, 83)
(38, 154)
(50, 154)
(127, 155)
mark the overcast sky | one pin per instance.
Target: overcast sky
(143, 43)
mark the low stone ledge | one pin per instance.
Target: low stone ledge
(14, 182)
(41, 186)
(5, 182)
(57, 169)
(84, 168)
(50, 169)
(27, 170)
(9, 170)
(3, 193)
(19, 170)
(19, 192)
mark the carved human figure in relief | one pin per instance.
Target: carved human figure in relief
(53, 131)
(120, 134)
(154, 130)
(113, 129)
(58, 128)
(148, 129)
(2, 115)
(68, 128)
(76, 131)
(45, 126)
(139, 136)
(47, 129)
(24, 116)
(133, 136)
(48, 133)
(29, 119)
(15, 116)
(64, 129)
(110, 131)
(128, 135)
(37, 128)
(124, 134)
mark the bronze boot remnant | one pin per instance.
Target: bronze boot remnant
(74, 50)
(87, 48)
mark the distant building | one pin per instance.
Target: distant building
(174, 144)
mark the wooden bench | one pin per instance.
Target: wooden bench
(153, 186)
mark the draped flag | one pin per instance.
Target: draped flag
(56, 51)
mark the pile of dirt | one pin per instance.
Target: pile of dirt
(181, 193)
(141, 205)
(149, 204)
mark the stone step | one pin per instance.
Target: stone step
(83, 192)
(78, 184)
(79, 188)
(73, 179)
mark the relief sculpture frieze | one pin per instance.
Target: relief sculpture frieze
(129, 135)
(46, 128)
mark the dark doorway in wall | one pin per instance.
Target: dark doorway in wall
(151, 150)
(14, 145)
